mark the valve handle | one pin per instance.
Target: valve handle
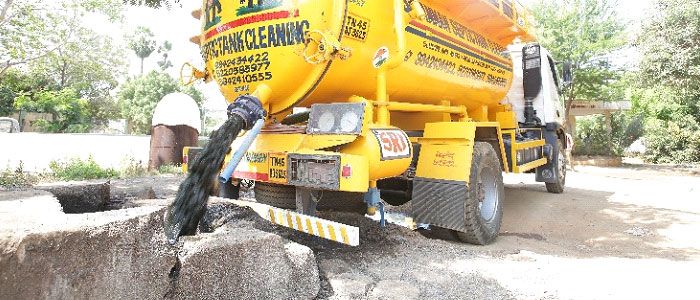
(189, 74)
(319, 48)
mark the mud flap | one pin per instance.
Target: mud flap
(439, 203)
(549, 173)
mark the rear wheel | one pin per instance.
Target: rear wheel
(277, 195)
(284, 196)
(558, 187)
(484, 200)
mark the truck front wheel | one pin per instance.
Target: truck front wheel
(558, 186)
(484, 199)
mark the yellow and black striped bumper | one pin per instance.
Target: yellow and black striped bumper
(334, 231)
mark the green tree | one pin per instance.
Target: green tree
(31, 30)
(164, 50)
(58, 51)
(70, 112)
(583, 32)
(670, 47)
(90, 65)
(12, 84)
(143, 43)
(139, 96)
(7, 101)
(153, 3)
(669, 93)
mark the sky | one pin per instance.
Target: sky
(177, 26)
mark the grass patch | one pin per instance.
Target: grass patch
(131, 168)
(170, 169)
(78, 169)
(17, 178)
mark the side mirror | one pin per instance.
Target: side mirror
(567, 74)
(532, 71)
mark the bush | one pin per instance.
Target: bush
(592, 137)
(675, 141)
(77, 169)
(70, 112)
(672, 125)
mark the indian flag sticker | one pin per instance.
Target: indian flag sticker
(381, 57)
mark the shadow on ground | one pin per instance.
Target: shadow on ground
(586, 223)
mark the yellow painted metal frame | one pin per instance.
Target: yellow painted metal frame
(522, 146)
(447, 149)
(531, 165)
(528, 145)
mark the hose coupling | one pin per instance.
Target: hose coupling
(249, 108)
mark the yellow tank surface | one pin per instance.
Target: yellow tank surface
(308, 51)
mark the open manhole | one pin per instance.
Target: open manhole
(80, 198)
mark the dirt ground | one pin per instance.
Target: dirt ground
(616, 233)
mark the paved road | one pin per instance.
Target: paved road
(615, 233)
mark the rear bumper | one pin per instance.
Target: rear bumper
(334, 231)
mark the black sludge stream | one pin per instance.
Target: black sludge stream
(189, 206)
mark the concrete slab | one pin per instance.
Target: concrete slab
(123, 254)
(238, 263)
(93, 256)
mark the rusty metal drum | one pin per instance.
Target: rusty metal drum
(176, 125)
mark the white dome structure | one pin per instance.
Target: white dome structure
(177, 109)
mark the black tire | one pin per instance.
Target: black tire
(284, 196)
(277, 195)
(558, 187)
(228, 190)
(484, 201)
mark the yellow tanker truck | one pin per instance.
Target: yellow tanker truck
(351, 102)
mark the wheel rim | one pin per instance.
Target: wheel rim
(488, 194)
(562, 164)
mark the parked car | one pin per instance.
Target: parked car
(9, 125)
